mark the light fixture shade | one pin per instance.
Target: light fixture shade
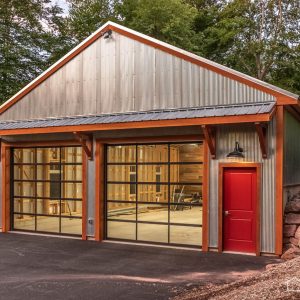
(237, 152)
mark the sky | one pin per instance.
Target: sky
(63, 4)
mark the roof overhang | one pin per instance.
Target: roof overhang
(159, 119)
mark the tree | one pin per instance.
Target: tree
(85, 17)
(170, 21)
(24, 42)
(257, 37)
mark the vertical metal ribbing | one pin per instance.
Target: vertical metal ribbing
(247, 137)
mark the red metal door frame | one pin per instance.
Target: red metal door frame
(222, 166)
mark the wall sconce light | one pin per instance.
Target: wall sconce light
(237, 152)
(107, 34)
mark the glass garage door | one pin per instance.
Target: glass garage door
(154, 193)
(47, 190)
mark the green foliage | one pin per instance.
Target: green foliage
(85, 17)
(170, 21)
(27, 33)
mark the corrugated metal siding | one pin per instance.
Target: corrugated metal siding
(247, 137)
(91, 196)
(291, 150)
(121, 75)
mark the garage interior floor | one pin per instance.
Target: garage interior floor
(41, 267)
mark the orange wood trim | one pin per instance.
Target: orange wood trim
(99, 191)
(205, 196)
(205, 65)
(153, 139)
(143, 124)
(86, 142)
(5, 155)
(220, 209)
(285, 100)
(42, 143)
(84, 195)
(210, 140)
(279, 180)
(222, 166)
(261, 131)
(258, 213)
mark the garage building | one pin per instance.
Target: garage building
(128, 138)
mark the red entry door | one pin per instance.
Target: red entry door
(239, 209)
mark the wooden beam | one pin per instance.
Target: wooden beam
(86, 142)
(5, 153)
(279, 180)
(261, 130)
(142, 124)
(210, 138)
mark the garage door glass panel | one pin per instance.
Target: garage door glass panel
(121, 230)
(24, 188)
(153, 173)
(24, 156)
(47, 183)
(120, 191)
(48, 207)
(160, 187)
(24, 172)
(186, 235)
(152, 192)
(186, 214)
(152, 153)
(121, 211)
(153, 213)
(152, 233)
(24, 222)
(186, 153)
(24, 205)
(71, 226)
(47, 224)
(121, 154)
(121, 173)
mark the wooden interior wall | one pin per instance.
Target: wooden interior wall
(185, 173)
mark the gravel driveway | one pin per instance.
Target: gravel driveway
(39, 267)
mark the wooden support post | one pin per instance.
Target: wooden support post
(5, 155)
(279, 180)
(210, 138)
(86, 142)
(261, 130)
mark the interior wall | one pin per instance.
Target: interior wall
(248, 139)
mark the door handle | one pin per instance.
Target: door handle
(226, 213)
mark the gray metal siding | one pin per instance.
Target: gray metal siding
(247, 137)
(91, 196)
(291, 150)
(121, 75)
